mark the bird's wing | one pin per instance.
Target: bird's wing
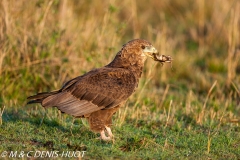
(98, 89)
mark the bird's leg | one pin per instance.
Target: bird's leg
(109, 132)
(104, 137)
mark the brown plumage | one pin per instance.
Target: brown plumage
(98, 94)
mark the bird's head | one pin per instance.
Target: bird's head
(144, 49)
(134, 53)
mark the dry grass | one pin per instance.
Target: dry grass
(42, 47)
(45, 43)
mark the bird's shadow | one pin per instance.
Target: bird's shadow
(40, 119)
(38, 116)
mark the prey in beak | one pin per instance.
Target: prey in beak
(150, 51)
(162, 58)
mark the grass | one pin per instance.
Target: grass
(134, 139)
(189, 112)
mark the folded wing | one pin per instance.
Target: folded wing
(98, 89)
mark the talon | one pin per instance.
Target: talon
(104, 137)
(109, 132)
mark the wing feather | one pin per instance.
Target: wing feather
(98, 89)
(69, 104)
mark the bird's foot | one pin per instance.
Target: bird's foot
(109, 132)
(103, 134)
(104, 137)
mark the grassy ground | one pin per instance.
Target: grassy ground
(189, 112)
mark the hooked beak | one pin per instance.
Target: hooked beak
(150, 51)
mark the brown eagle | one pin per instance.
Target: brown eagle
(98, 94)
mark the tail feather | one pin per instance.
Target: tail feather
(38, 98)
(35, 101)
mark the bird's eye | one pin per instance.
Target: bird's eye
(143, 47)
